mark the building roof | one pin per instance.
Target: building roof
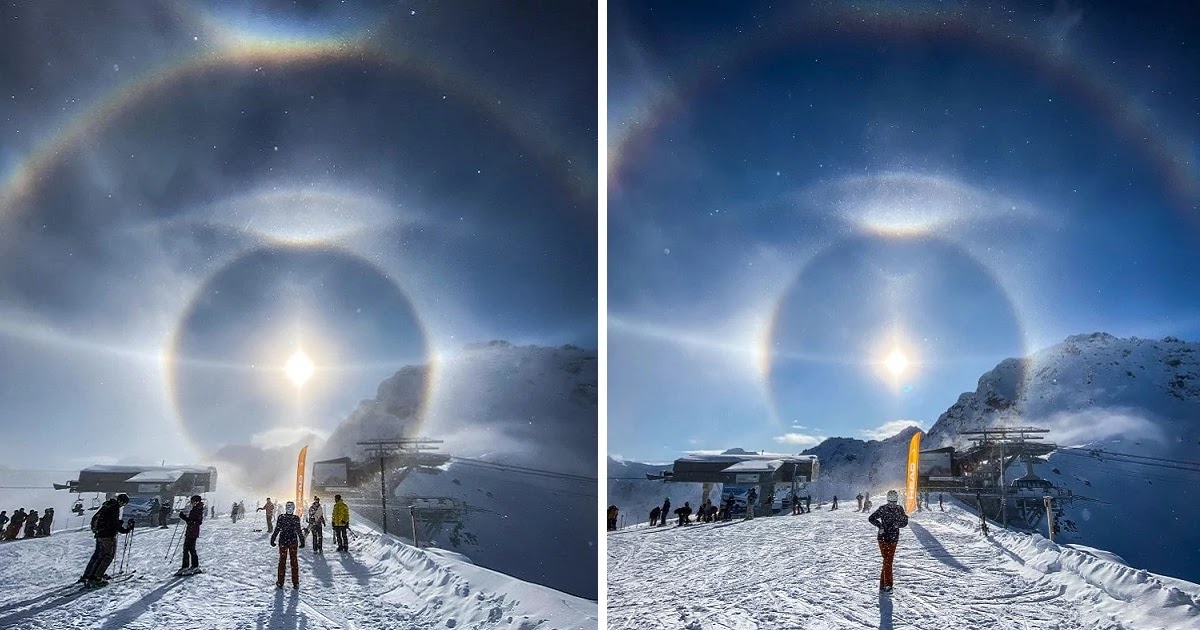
(754, 466)
(734, 455)
(103, 468)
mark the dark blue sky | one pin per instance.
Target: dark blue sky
(190, 192)
(798, 192)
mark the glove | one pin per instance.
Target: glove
(272, 543)
(131, 524)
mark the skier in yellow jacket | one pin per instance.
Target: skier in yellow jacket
(341, 523)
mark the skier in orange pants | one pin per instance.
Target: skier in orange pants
(889, 518)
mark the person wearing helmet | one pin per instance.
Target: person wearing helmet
(193, 518)
(106, 524)
(889, 518)
(287, 531)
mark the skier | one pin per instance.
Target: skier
(212, 511)
(808, 503)
(834, 503)
(155, 511)
(867, 503)
(927, 502)
(612, 517)
(270, 510)
(14, 526)
(654, 516)
(751, 497)
(31, 523)
(341, 523)
(287, 530)
(3, 519)
(106, 524)
(889, 518)
(795, 504)
(316, 523)
(46, 522)
(940, 503)
(683, 514)
(164, 513)
(859, 497)
(729, 503)
(666, 511)
(193, 518)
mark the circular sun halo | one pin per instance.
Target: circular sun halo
(896, 362)
(299, 368)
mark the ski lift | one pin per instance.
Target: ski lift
(78, 507)
(95, 502)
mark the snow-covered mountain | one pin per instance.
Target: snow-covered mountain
(821, 570)
(1135, 396)
(528, 416)
(380, 584)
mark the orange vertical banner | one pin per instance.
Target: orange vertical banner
(910, 487)
(300, 479)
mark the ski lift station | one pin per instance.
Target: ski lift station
(770, 473)
(141, 483)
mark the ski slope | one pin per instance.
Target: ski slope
(821, 570)
(381, 583)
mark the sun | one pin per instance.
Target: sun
(299, 368)
(896, 362)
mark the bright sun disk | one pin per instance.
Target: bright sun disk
(896, 362)
(299, 368)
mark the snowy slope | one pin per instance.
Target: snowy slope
(380, 584)
(528, 406)
(510, 522)
(821, 570)
(1133, 396)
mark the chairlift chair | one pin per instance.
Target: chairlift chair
(95, 502)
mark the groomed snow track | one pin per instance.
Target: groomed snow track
(381, 583)
(821, 570)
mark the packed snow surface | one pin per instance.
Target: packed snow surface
(380, 583)
(821, 570)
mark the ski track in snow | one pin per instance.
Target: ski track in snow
(821, 570)
(378, 584)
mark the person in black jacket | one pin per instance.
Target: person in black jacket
(889, 518)
(14, 526)
(46, 522)
(288, 531)
(164, 513)
(106, 524)
(193, 518)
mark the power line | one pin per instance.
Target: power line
(1110, 457)
(523, 470)
(1101, 452)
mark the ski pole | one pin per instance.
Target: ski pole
(172, 543)
(125, 551)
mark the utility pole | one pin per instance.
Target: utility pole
(1003, 501)
(405, 449)
(1049, 517)
(412, 511)
(383, 493)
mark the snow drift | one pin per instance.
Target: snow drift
(381, 583)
